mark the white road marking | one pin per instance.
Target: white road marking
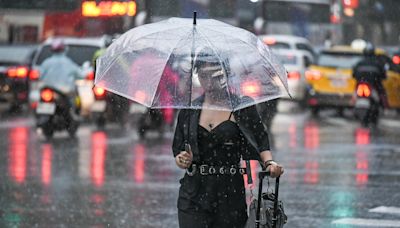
(387, 210)
(367, 222)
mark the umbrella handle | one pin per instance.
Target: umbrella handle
(187, 147)
(194, 17)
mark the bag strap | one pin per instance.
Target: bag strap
(248, 171)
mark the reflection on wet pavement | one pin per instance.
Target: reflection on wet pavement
(113, 179)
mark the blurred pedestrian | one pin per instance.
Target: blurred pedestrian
(212, 192)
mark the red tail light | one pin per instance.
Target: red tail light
(34, 75)
(313, 75)
(251, 88)
(363, 90)
(90, 76)
(396, 59)
(18, 72)
(99, 92)
(269, 41)
(47, 95)
(294, 75)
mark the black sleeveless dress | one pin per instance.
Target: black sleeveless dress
(220, 198)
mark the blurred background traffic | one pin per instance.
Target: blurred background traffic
(315, 40)
(115, 152)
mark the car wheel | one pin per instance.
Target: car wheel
(72, 128)
(48, 132)
(100, 122)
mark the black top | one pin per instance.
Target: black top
(252, 138)
(219, 146)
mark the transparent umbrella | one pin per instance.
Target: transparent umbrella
(164, 64)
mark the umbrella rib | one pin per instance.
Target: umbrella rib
(209, 42)
(127, 50)
(175, 47)
(250, 45)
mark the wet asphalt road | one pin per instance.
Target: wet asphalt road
(335, 173)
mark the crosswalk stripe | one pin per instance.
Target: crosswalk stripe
(387, 210)
(367, 222)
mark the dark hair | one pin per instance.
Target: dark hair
(206, 56)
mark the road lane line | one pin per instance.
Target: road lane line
(367, 222)
(387, 210)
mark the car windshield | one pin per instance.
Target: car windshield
(78, 53)
(15, 54)
(339, 60)
(287, 59)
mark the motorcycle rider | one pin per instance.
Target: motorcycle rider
(372, 70)
(60, 72)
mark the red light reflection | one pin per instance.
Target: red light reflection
(312, 175)
(311, 135)
(253, 164)
(47, 154)
(362, 166)
(18, 139)
(98, 158)
(293, 135)
(362, 136)
(139, 156)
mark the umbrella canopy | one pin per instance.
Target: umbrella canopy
(171, 63)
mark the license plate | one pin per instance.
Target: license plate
(137, 108)
(362, 103)
(46, 108)
(338, 83)
(98, 106)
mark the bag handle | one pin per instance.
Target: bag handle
(261, 176)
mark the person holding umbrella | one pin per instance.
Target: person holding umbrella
(217, 93)
(212, 192)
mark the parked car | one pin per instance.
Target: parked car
(81, 51)
(296, 63)
(15, 67)
(289, 42)
(330, 82)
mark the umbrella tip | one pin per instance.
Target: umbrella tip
(194, 17)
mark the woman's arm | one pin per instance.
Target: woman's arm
(275, 168)
(253, 125)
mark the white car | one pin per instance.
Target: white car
(295, 64)
(81, 51)
(289, 42)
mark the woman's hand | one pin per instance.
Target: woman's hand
(274, 168)
(184, 159)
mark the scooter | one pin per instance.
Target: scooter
(367, 104)
(55, 112)
(152, 119)
(109, 107)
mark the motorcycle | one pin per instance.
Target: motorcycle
(367, 104)
(109, 107)
(56, 112)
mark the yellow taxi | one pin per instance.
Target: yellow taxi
(330, 83)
